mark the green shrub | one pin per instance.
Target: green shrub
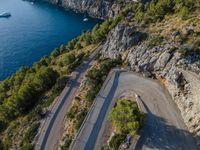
(87, 38)
(71, 45)
(190, 49)
(27, 146)
(60, 84)
(78, 60)
(72, 112)
(25, 95)
(67, 143)
(155, 41)
(44, 62)
(69, 58)
(184, 12)
(99, 32)
(79, 46)
(116, 141)
(80, 118)
(126, 116)
(92, 92)
(62, 48)
(55, 53)
(105, 147)
(31, 133)
(157, 9)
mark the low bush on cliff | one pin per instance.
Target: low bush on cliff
(155, 41)
(190, 49)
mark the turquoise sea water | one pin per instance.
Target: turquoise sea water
(33, 31)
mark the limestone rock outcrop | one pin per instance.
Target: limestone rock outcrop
(179, 74)
(120, 39)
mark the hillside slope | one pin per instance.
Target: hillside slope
(165, 47)
(160, 39)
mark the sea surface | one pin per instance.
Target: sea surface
(33, 31)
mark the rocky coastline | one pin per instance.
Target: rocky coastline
(96, 8)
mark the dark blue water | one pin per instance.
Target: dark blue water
(33, 31)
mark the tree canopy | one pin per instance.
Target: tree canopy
(20, 92)
(126, 116)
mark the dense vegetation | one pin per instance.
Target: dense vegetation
(32, 88)
(127, 119)
(20, 93)
(116, 141)
(158, 9)
(174, 14)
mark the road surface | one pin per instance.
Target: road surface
(52, 128)
(164, 128)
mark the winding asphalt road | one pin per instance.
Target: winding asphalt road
(164, 128)
(52, 128)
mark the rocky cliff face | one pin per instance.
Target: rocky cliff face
(179, 75)
(120, 39)
(96, 8)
